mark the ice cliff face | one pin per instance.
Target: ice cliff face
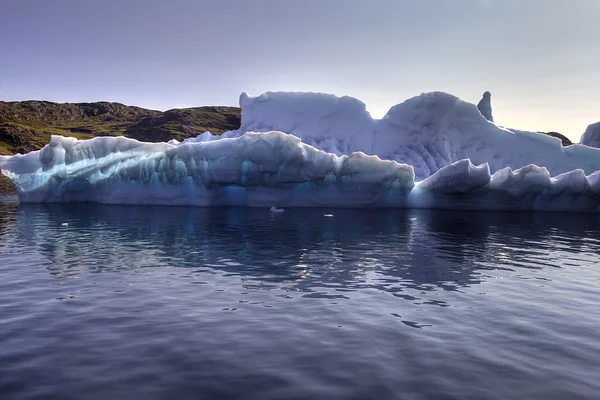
(427, 132)
(591, 136)
(307, 149)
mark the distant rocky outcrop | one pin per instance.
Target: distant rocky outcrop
(485, 106)
(28, 125)
(591, 136)
(183, 123)
(565, 140)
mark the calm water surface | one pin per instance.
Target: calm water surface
(192, 303)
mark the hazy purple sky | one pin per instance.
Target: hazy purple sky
(539, 58)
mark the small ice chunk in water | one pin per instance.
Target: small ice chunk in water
(64, 224)
(328, 215)
(274, 209)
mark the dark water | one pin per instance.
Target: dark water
(192, 303)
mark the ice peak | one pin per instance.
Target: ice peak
(485, 106)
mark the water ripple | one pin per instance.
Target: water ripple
(143, 302)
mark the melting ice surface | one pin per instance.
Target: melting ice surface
(308, 149)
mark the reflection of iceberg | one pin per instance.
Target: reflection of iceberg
(433, 150)
(390, 250)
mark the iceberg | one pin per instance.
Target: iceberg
(320, 150)
(591, 136)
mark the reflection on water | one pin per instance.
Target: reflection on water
(435, 270)
(299, 249)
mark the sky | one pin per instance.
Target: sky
(539, 58)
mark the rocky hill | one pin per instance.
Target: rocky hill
(565, 140)
(27, 125)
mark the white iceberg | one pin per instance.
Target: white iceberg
(312, 149)
(591, 136)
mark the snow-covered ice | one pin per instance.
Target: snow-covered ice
(312, 149)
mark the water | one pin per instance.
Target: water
(192, 303)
